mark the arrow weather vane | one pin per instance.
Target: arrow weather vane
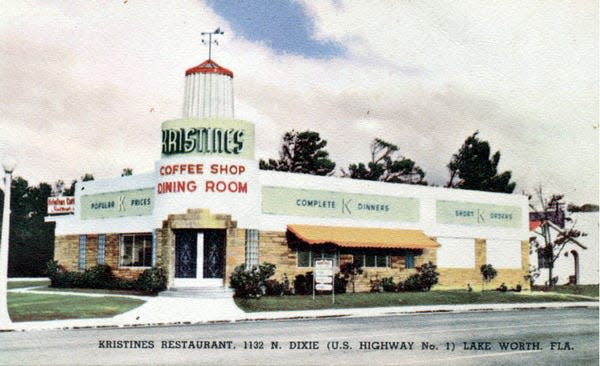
(210, 42)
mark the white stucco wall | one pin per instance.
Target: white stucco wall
(564, 266)
(456, 253)
(503, 254)
(427, 197)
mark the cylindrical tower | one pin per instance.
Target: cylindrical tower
(207, 157)
(208, 91)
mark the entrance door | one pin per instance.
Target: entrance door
(214, 254)
(199, 257)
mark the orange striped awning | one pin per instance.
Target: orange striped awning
(352, 237)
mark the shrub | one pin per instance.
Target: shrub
(388, 284)
(303, 284)
(339, 283)
(423, 280)
(488, 272)
(123, 284)
(61, 278)
(502, 288)
(412, 283)
(251, 282)
(99, 276)
(53, 271)
(285, 284)
(375, 285)
(428, 275)
(152, 280)
(273, 288)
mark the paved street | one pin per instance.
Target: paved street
(531, 337)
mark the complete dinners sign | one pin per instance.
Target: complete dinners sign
(135, 202)
(317, 203)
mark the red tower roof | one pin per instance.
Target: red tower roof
(209, 67)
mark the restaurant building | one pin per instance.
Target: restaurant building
(207, 208)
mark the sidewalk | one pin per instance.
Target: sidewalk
(160, 311)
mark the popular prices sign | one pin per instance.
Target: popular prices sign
(61, 205)
(135, 202)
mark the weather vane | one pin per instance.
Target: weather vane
(210, 42)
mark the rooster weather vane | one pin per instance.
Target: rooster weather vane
(210, 41)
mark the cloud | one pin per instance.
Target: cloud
(84, 88)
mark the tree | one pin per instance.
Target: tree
(387, 165)
(488, 272)
(588, 207)
(301, 152)
(31, 238)
(473, 168)
(71, 190)
(126, 172)
(552, 234)
(350, 271)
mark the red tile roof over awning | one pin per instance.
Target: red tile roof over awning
(352, 237)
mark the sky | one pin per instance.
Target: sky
(84, 86)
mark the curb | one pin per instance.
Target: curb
(356, 313)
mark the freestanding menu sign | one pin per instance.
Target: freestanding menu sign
(323, 278)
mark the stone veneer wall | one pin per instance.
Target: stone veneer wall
(458, 278)
(274, 249)
(66, 252)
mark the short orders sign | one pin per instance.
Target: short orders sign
(61, 205)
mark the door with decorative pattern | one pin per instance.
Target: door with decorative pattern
(214, 254)
(186, 252)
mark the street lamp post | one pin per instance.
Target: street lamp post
(9, 167)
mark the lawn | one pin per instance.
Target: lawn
(21, 284)
(28, 307)
(95, 291)
(585, 290)
(363, 300)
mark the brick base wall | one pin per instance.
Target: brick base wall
(273, 248)
(66, 252)
(458, 278)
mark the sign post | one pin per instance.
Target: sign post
(323, 278)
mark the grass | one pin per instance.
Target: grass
(29, 307)
(21, 284)
(363, 300)
(584, 290)
(95, 291)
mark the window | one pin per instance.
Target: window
(101, 248)
(307, 258)
(409, 260)
(136, 250)
(82, 244)
(372, 260)
(251, 248)
(542, 263)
